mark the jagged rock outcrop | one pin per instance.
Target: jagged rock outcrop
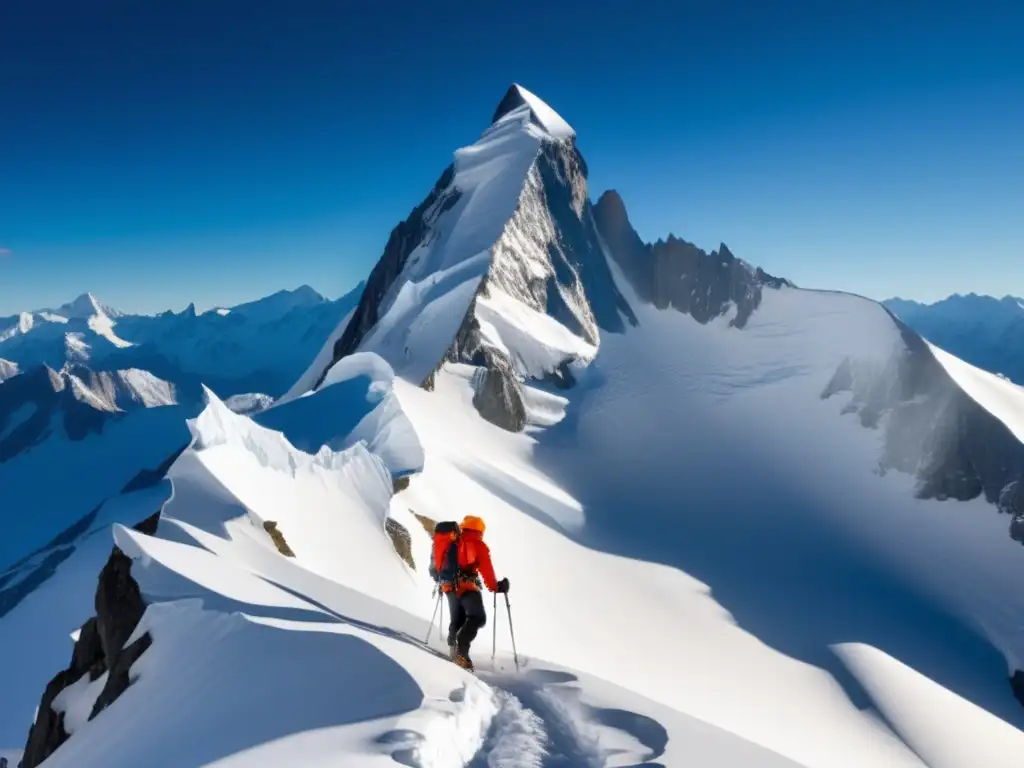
(401, 541)
(933, 430)
(48, 732)
(676, 274)
(100, 649)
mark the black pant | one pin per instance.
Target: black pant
(468, 616)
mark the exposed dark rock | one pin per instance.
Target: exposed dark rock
(270, 526)
(561, 377)
(512, 100)
(576, 253)
(499, 395)
(427, 523)
(1017, 684)
(119, 678)
(677, 274)
(631, 253)
(935, 431)
(119, 605)
(399, 484)
(149, 525)
(47, 733)
(87, 656)
(401, 540)
(403, 240)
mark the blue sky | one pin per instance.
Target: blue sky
(162, 153)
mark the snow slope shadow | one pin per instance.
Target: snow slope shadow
(681, 489)
(207, 675)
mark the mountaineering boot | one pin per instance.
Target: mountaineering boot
(464, 661)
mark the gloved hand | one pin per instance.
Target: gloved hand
(502, 587)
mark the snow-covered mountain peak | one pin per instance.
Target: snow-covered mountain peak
(84, 307)
(540, 113)
(500, 267)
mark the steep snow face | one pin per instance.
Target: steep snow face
(505, 245)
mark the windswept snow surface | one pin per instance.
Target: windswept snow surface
(354, 403)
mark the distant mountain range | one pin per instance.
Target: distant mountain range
(983, 330)
(257, 347)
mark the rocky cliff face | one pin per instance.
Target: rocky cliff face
(676, 274)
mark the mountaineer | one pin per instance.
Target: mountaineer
(461, 559)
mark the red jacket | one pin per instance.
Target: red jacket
(475, 557)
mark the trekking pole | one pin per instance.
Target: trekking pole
(511, 631)
(431, 630)
(494, 628)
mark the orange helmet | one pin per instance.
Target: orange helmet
(473, 523)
